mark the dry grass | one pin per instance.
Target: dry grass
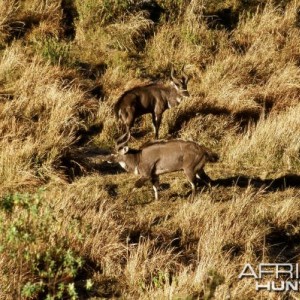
(70, 231)
(130, 35)
(269, 139)
(41, 119)
(8, 10)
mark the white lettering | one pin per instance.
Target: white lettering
(282, 272)
(262, 269)
(244, 274)
(283, 286)
(279, 270)
(280, 288)
(266, 286)
(297, 271)
(294, 286)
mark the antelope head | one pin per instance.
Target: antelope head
(180, 84)
(120, 150)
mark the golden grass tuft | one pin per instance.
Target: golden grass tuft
(42, 118)
(131, 33)
(269, 139)
(8, 10)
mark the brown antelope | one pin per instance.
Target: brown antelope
(153, 99)
(161, 157)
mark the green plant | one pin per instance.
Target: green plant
(96, 13)
(160, 279)
(57, 52)
(44, 264)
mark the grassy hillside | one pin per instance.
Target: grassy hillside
(73, 228)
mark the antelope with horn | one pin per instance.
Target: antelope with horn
(153, 99)
(159, 157)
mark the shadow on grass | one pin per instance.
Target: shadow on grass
(280, 183)
(242, 118)
(283, 245)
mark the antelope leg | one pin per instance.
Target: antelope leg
(155, 185)
(140, 182)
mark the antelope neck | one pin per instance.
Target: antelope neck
(131, 161)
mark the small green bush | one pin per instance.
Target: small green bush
(95, 12)
(44, 263)
(57, 52)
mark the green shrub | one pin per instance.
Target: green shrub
(31, 251)
(100, 12)
(57, 52)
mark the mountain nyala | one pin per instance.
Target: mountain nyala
(153, 99)
(159, 157)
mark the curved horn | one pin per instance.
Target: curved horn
(172, 75)
(185, 76)
(120, 138)
(122, 144)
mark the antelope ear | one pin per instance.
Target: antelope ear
(124, 150)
